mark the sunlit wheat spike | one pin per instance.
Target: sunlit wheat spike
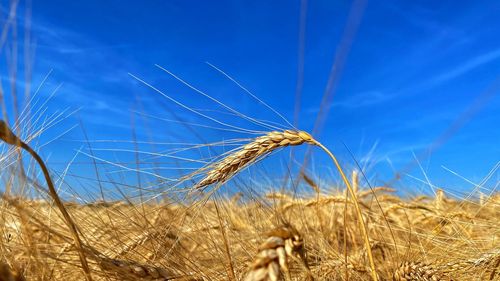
(129, 270)
(223, 170)
(272, 260)
(489, 260)
(417, 271)
(226, 168)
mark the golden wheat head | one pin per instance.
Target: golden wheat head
(272, 260)
(223, 170)
(261, 146)
(416, 271)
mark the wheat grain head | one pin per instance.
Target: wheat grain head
(416, 271)
(223, 170)
(261, 146)
(272, 260)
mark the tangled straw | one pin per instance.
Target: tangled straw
(10, 138)
(223, 170)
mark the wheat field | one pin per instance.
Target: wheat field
(205, 225)
(191, 230)
(275, 236)
(419, 239)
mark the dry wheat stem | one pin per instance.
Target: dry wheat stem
(223, 170)
(10, 138)
(357, 207)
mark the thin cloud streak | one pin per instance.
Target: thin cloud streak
(468, 66)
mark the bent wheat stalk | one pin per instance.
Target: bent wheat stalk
(221, 171)
(10, 138)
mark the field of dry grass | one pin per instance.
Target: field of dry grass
(194, 232)
(275, 236)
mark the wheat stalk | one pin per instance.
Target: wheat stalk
(224, 169)
(10, 138)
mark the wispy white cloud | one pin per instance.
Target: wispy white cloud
(363, 99)
(468, 66)
(358, 100)
(370, 98)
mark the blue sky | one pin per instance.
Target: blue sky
(415, 71)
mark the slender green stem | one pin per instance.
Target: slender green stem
(358, 209)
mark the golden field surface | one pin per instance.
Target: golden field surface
(270, 237)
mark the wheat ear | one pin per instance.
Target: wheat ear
(130, 270)
(272, 260)
(261, 146)
(417, 271)
(487, 260)
(223, 170)
(10, 138)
